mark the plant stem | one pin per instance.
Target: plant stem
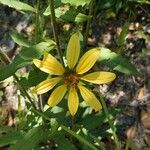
(6, 60)
(37, 28)
(54, 27)
(127, 143)
(88, 23)
(23, 90)
(110, 123)
(80, 138)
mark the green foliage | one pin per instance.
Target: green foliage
(76, 2)
(35, 76)
(116, 61)
(25, 57)
(122, 36)
(103, 4)
(141, 1)
(63, 143)
(1, 93)
(18, 5)
(54, 127)
(82, 18)
(89, 120)
(10, 138)
(31, 139)
(80, 138)
(71, 15)
(20, 39)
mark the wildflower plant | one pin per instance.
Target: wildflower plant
(70, 79)
(45, 128)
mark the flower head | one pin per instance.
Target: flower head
(71, 77)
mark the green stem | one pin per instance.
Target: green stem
(6, 59)
(54, 27)
(81, 139)
(128, 142)
(37, 23)
(23, 90)
(91, 6)
(41, 114)
(110, 123)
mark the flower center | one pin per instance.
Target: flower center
(71, 78)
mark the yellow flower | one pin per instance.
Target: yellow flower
(70, 77)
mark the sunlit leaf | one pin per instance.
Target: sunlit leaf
(17, 5)
(76, 2)
(65, 14)
(122, 36)
(116, 61)
(82, 18)
(20, 39)
(25, 57)
(141, 1)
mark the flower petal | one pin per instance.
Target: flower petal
(57, 95)
(88, 60)
(73, 51)
(53, 64)
(48, 67)
(38, 63)
(73, 101)
(46, 85)
(90, 98)
(99, 77)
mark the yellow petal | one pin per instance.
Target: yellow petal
(46, 85)
(73, 51)
(45, 67)
(54, 66)
(99, 77)
(90, 98)
(37, 63)
(88, 60)
(57, 95)
(73, 101)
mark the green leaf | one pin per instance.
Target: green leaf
(10, 138)
(34, 51)
(82, 18)
(105, 4)
(80, 138)
(66, 15)
(1, 93)
(77, 2)
(62, 142)
(71, 15)
(141, 1)
(20, 39)
(122, 36)
(31, 139)
(25, 57)
(18, 5)
(89, 122)
(35, 77)
(116, 61)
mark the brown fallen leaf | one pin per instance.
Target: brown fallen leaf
(145, 119)
(141, 93)
(131, 132)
